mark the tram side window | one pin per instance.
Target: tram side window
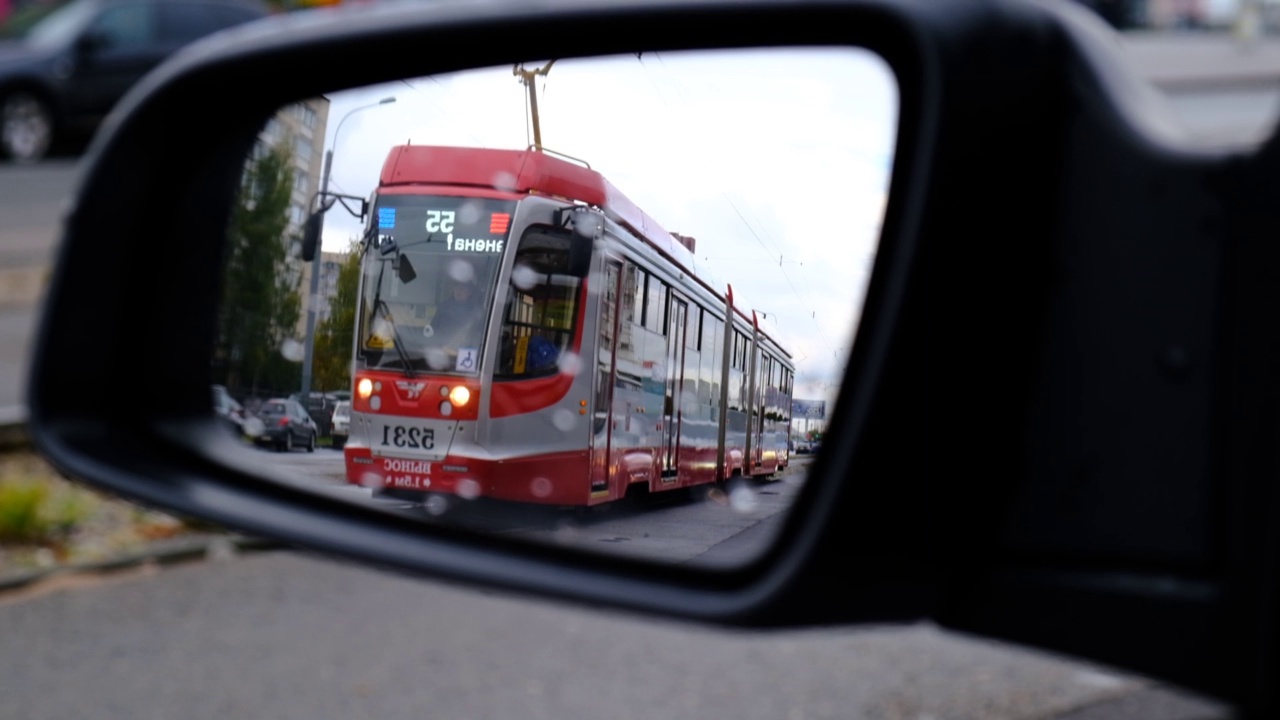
(765, 371)
(709, 387)
(655, 306)
(763, 366)
(632, 305)
(693, 334)
(738, 375)
(786, 396)
(775, 385)
(605, 353)
(541, 307)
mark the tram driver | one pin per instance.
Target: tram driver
(459, 318)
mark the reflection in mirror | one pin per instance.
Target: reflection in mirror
(618, 325)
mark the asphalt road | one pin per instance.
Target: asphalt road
(290, 635)
(699, 526)
(284, 635)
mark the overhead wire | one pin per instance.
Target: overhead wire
(771, 253)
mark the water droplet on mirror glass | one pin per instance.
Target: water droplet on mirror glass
(569, 363)
(564, 420)
(461, 271)
(437, 359)
(524, 277)
(468, 489)
(292, 350)
(504, 181)
(436, 505)
(253, 427)
(541, 487)
(469, 213)
(743, 498)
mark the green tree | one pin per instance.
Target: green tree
(261, 301)
(331, 363)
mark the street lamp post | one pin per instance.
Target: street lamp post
(313, 300)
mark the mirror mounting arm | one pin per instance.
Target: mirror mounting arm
(332, 198)
(311, 231)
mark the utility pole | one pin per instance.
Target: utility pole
(527, 77)
(313, 298)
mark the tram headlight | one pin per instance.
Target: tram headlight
(364, 388)
(446, 408)
(460, 396)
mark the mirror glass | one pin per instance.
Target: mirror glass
(601, 302)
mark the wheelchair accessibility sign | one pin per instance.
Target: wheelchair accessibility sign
(468, 360)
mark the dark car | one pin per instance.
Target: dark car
(285, 425)
(65, 73)
(319, 406)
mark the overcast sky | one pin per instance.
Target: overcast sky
(762, 156)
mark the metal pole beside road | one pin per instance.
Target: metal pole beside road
(313, 299)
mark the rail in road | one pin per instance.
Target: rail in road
(705, 525)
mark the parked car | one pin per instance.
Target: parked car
(285, 425)
(62, 76)
(319, 406)
(340, 422)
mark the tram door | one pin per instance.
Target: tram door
(675, 381)
(607, 365)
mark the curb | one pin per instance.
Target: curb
(163, 554)
(13, 435)
(13, 428)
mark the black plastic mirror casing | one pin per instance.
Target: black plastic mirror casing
(311, 236)
(1056, 422)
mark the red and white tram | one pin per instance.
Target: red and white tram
(526, 333)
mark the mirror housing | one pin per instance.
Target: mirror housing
(310, 55)
(1059, 548)
(311, 235)
(404, 269)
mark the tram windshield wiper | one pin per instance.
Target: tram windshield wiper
(379, 303)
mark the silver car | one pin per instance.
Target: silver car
(341, 420)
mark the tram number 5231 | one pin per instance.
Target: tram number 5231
(407, 437)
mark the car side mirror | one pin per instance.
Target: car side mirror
(314, 225)
(1111, 365)
(311, 236)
